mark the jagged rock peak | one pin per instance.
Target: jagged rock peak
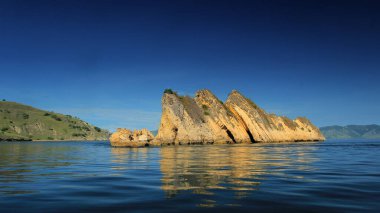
(269, 127)
(207, 119)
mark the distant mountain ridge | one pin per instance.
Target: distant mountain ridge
(22, 122)
(352, 131)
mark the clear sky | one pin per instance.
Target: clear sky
(108, 62)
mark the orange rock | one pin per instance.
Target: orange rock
(127, 138)
(205, 119)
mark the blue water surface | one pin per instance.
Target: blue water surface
(331, 176)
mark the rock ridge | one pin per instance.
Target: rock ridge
(205, 119)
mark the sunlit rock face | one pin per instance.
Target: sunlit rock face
(183, 122)
(225, 127)
(128, 138)
(266, 127)
(205, 119)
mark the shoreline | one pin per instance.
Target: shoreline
(136, 144)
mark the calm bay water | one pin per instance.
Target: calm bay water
(333, 176)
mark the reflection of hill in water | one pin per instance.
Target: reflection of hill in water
(238, 168)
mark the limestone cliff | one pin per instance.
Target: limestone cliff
(205, 119)
(183, 122)
(224, 125)
(266, 127)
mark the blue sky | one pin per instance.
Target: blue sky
(108, 62)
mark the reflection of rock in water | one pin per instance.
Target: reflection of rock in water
(120, 155)
(129, 158)
(241, 169)
(200, 169)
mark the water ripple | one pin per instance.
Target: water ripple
(333, 176)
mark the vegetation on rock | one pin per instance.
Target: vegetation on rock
(169, 91)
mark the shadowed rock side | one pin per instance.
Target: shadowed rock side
(205, 119)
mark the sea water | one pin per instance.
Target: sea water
(330, 176)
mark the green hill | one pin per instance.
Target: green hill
(352, 131)
(21, 122)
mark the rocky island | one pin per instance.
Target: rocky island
(205, 119)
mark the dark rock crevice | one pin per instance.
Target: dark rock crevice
(175, 130)
(230, 135)
(250, 136)
(241, 120)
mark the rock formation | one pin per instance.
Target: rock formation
(205, 119)
(125, 137)
(266, 127)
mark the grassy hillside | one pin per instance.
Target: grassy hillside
(21, 122)
(351, 131)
